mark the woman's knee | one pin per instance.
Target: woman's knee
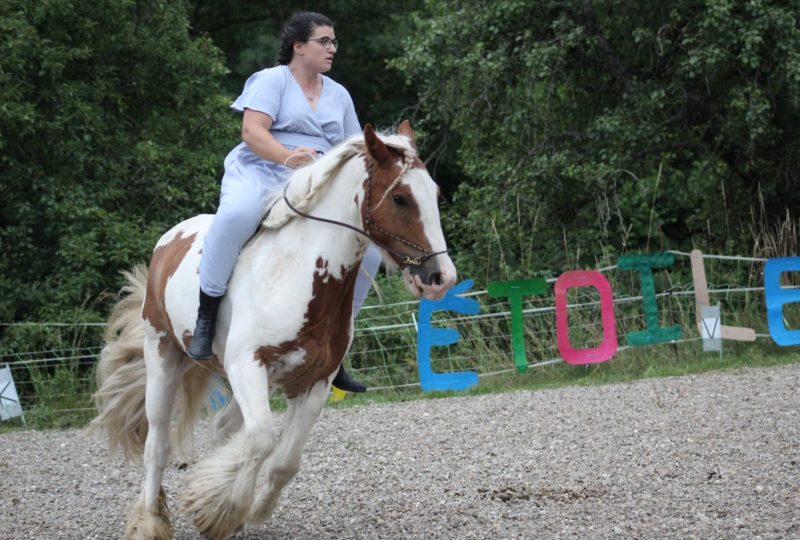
(239, 218)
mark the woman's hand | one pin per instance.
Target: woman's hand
(300, 157)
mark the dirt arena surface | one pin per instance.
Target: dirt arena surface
(708, 456)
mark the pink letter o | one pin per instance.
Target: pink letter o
(607, 348)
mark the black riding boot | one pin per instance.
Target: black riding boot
(200, 348)
(343, 381)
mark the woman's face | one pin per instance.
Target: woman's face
(318, 52)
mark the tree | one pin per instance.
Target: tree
(594, 128)
(113, 126)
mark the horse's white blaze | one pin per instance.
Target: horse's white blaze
(425, 193)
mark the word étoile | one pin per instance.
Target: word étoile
(515, 290)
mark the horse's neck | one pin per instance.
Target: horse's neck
(305, 240)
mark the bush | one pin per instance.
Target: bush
(112, 129)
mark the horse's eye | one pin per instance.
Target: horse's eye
(399, 200)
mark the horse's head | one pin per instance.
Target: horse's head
(401, 213)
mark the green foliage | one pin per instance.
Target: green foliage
(369, 32)
(626, 125)
(63, 399)
(112, 129)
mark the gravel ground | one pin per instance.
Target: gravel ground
(709, 456)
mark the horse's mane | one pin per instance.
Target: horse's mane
(305, 183)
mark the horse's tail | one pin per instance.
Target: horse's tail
(122, 378)
(121, 373)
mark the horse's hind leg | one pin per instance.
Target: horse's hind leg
(149, 516)
(220, 491)
(301, 415)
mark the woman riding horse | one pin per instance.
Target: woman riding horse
(292, 113)
(286, 318)
(286, 321)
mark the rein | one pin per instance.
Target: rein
(406, 259)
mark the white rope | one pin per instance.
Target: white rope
(550, 309)
(535, 364)
(721, 257)
(604, 269)
(50, 351)
(53, 359)
(51, 324)
(539, 363)
(391, 387)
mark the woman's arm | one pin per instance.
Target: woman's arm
(256, 135)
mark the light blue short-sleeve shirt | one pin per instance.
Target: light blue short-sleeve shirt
(275, 92)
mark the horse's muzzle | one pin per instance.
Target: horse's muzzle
(431, 279)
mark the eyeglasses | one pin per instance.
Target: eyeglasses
(327, 42)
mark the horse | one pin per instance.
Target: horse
(286, 321)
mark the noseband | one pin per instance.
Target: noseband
(406, 260)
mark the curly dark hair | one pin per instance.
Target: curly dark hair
(299, 28)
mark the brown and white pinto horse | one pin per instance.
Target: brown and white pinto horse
(285, 321)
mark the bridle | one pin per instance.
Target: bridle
(406, 260)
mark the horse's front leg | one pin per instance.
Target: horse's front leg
(226, 423)
(220, 491)
(301, 414)
(148, 517)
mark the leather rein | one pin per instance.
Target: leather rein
(406, 260)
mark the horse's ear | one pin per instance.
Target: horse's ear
(405, 129)
(375, 145)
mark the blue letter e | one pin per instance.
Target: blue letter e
(777, 297)
(428, 337)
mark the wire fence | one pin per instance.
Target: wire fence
(384, 351)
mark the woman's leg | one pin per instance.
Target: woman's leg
(369, 268)
(237, 218)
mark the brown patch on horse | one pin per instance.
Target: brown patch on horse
(404, 222)
(324, 336)
(163, 264)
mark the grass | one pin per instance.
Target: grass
(655, 361)
(62, 399)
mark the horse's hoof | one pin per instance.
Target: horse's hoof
(145, 525)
